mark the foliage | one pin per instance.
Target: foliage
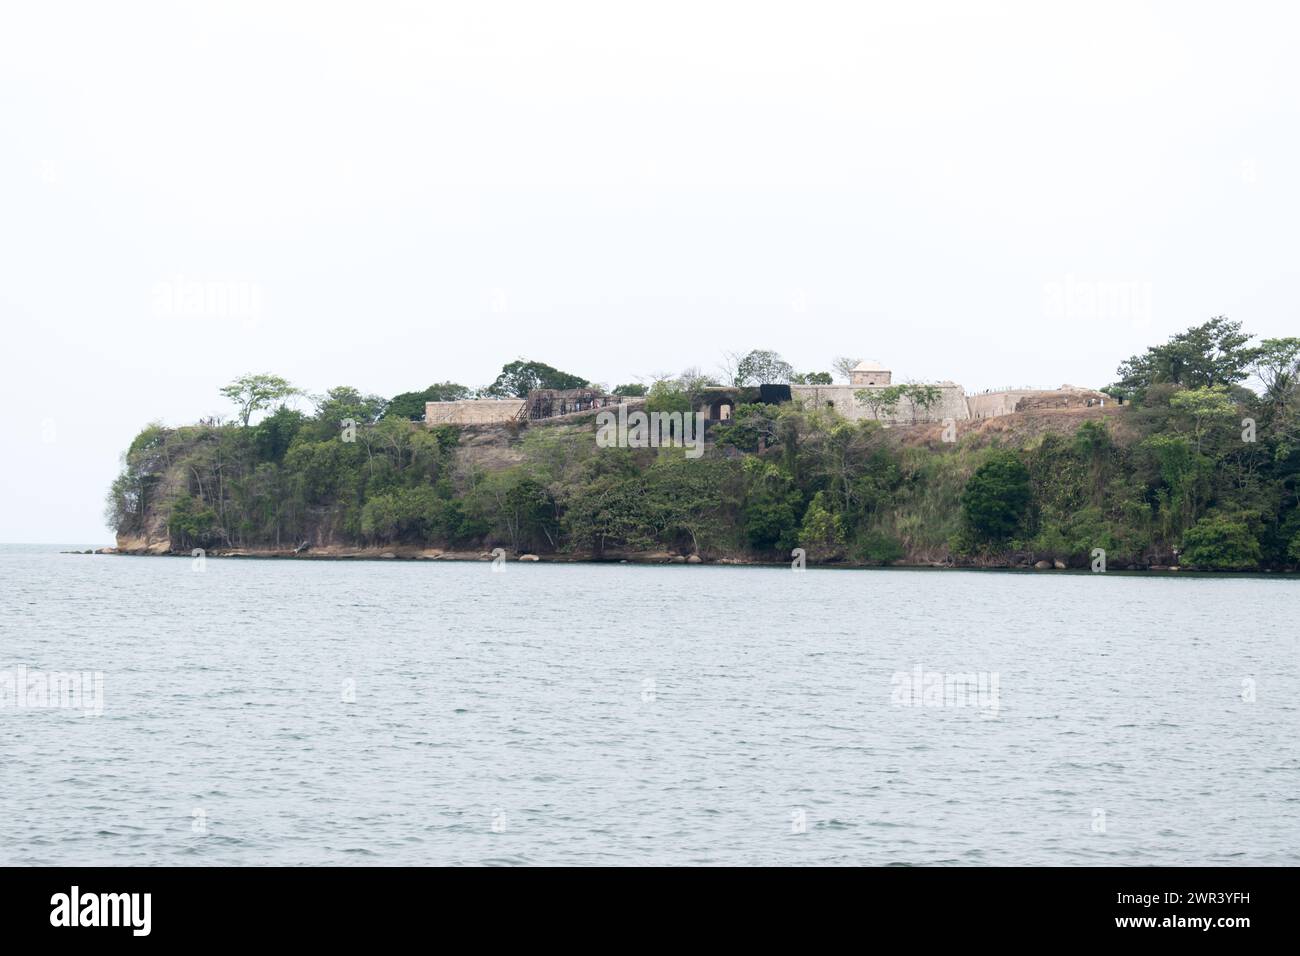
(191, 524)
(877, 547)
(1213, 353)
(1173, 477)
(771, 506)
(255, 392)
(667, 396)
(822, 532)
(883, 402)
(1220, 542)
(410, 405)
(520, 377)
(845, 365)
(1277, 366)
(997, 498)
(762, 367)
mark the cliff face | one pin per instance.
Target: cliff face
(146, 531)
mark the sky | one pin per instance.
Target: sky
(387, 195)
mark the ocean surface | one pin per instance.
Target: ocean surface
(258, 712)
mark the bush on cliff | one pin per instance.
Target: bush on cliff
(996, 499)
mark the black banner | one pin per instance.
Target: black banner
(1160, 906)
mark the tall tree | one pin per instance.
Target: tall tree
(763, 367)
(1213, 353)
(257, 392)
(520, 377)
(881, 399)
(845, 366)
(345, 402)
(997, 497)
(922, 396)
(1277, 366)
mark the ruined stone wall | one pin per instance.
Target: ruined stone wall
(1061, 399)
(473, 411)
(993, 404)
(951, 404)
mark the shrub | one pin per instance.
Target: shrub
(1220, 542)
(996, 498)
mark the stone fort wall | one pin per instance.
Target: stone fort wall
(473, 411)
(993, 404)
(951, 404)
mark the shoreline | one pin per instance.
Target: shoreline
(410, 553)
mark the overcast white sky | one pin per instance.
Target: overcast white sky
(421, 192)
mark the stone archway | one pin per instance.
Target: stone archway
(722, 409)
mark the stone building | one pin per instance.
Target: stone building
(949, 403)
(869, 373)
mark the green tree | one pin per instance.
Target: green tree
(883, 402)
(876, 547)
(518, 509)
(273, 435)
(343, 402)
(191, 524)
(812, 378)
(1213, 353)
(770, 510)
(254, 393)
(762, 367)
(1293, 548)
(923, 397)
(520, 377)
(997, 498)
(635, 390)
(845, 366)
(131, 497)
(751, 427)
(1221, 543)
(822, 531)
(1277, 366)
(1203, 409)
(666, 396)
(684, 499)
(1181, 470)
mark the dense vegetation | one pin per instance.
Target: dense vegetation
(1198, 470)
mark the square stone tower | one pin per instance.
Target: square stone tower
(869, 373)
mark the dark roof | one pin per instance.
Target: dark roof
(774, 394)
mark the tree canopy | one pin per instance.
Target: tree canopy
(997, 497)
(1213, 353)
(762, 367)
(257, 392)
(520, 377)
